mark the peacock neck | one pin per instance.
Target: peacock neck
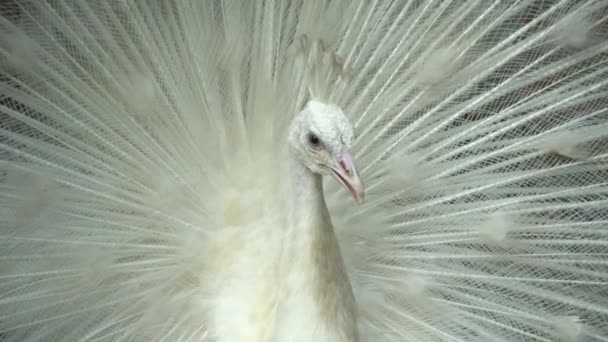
(313, 255)
(307, 204)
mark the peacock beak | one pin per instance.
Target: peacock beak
(346, 173)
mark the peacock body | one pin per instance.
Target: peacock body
(158, 182)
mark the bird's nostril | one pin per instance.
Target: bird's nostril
(345, 167)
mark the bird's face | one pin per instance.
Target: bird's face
(322, 137)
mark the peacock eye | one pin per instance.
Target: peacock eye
(314, 140)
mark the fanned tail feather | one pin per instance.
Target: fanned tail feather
(482, 136)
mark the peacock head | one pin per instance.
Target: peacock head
(321, 137)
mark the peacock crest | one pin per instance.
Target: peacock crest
(324, 71)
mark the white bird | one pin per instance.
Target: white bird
(164, 170)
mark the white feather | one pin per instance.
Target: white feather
(141, 173)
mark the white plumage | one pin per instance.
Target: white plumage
(158, 182)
